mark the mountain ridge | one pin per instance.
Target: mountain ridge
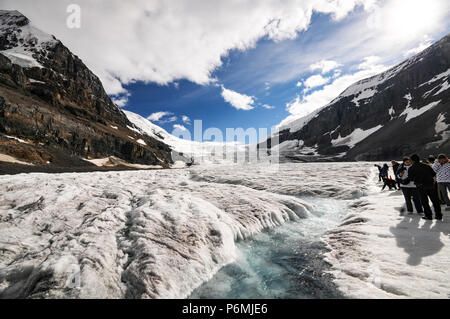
(403, 100)
(53, 102)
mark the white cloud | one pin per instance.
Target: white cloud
(337, 73)
(157, 116)
(425, 43)
(120, 101)
(315, 81)
(179, 127)
(186, 119)
(237, 100)
(164, 41)
(268, 107)
(398, 21)
(325, 66)
(305, 104)
(299, 84)
(370, 62)
(162, 117)
(347, 42)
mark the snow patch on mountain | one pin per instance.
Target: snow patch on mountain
(413, 113)
(23, 41)
(443, 87)
(441, 126)
(437, 78)
(366, 94)
(140, 141)
(355, 137)
(11, 159)
(391, 112)
(203, 151)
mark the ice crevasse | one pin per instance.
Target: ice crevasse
(153, 234)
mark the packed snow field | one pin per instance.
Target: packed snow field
(166, 233)
(381, 251)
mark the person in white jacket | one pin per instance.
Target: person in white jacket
(409, 190)
(442, 168)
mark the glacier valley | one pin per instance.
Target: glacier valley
(213, 231)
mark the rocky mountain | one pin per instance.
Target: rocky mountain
(54, 112)
(399, 112)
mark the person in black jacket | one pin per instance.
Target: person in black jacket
(423, 176)
(395, 167)
(380, 178)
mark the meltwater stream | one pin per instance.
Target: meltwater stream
(285, 262)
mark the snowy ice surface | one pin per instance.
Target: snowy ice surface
(161, 234)
(155, 234)
(379, 252)
(355, 137)
(413, 113)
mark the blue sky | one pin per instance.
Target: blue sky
(223, 61)
(247, 72)
(269, 72)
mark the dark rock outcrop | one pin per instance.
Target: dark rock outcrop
(418, 86)
(59, 107)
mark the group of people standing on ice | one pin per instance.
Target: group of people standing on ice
(420, 181)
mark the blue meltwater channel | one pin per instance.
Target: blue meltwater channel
(284, 262)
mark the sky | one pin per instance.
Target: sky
(237, 63)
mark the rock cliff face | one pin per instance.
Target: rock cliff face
(54, 110)
(401, 111)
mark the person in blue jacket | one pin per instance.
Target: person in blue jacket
(384, 171)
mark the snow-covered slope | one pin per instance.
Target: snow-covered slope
(24, 42)
(51, 99)
(382, 117)
(177, 144)
(185, 150)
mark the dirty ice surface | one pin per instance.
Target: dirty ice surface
(163, 234)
